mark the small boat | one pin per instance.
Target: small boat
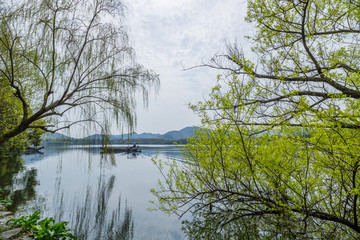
(32, 150)
(120, 149)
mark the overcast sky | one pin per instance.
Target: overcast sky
(169, 35)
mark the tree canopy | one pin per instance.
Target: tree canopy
(307, 66)
(69, 62)
(10, 111)
(10, 117)
(279, 156)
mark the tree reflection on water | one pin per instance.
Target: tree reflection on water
(90, 217)
(17, 182)
(91, 191)
(101, 227)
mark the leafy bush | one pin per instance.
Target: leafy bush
(3, 200)
(45, 229)
(26, 223)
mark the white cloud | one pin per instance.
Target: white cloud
(169, 34)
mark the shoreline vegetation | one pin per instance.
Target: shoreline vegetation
(5, 231)
(30, 227)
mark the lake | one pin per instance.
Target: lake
(102, 196)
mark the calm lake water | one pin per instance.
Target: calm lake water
(102, 196)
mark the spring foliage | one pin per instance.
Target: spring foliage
(10, 116)
(279, 153)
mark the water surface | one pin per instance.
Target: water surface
(102, 196)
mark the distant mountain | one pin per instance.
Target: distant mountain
(149, 135)
(48, 135)
(168, 137)
(182, 134)
(57, 138)
(172, 135)
(94, 136)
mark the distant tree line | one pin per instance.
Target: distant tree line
(62, 141)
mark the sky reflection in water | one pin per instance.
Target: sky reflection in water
(101, 196)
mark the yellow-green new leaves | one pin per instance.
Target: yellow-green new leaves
(305, 46)
(279, 152)
(296, 174)
(10, 116)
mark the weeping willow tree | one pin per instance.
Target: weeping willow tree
(279, 156)
(69, 62)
